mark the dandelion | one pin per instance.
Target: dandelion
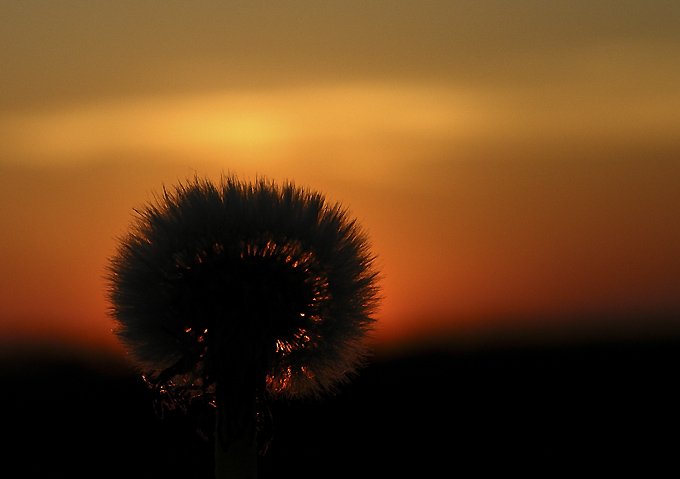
(234, 292)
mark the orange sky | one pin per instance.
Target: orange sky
(516, 165)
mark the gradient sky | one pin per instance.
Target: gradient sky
(516, 164)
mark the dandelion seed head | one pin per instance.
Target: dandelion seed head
(213, 278)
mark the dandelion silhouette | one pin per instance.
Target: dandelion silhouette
(234, 292)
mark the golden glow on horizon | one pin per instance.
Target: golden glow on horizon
(260, 124)
(269, 124)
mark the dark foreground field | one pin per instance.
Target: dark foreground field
(585, 408)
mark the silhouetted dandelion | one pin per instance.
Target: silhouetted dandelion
(235, 291)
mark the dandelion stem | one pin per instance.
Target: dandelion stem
(235, 454)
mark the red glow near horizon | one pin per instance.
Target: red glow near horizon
(485, 252)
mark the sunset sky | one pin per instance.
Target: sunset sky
(516, 164)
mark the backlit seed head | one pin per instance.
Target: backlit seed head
(217, 280)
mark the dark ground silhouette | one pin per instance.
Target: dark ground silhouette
(583, 407)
